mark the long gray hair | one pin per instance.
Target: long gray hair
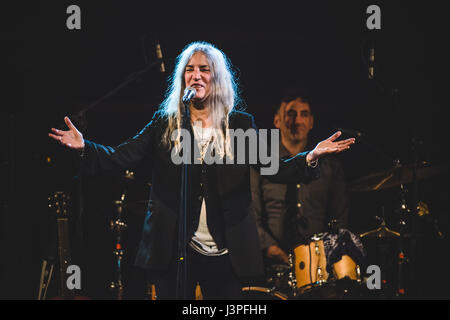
(222, 101)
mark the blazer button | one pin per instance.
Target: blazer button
(200, 198)
(299, 204)
(298, 186)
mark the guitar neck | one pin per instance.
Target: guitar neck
(64, 255)
(59, 202)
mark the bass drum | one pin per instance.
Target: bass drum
(262, 293)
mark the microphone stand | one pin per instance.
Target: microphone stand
(181, 257)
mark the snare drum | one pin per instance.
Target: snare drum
(311, 266)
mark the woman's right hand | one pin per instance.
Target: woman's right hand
(71, 138)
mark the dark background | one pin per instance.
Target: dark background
(50, 71)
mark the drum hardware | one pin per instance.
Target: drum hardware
(280, 277)
(383, 245)
(117, 226)
(382, 231)
(402, 258)
(400, 255)
(131, 189)
(320, 275)
(263, 293)
(292, 280)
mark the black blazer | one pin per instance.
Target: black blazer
(233, 225)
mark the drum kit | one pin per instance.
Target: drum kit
(307, 269)
(307, 275)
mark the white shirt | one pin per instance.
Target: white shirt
(202, 241)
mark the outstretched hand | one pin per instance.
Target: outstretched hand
(71, 138)
(329, 146)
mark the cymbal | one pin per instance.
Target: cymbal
(396, 176)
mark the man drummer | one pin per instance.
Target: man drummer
(289, 214)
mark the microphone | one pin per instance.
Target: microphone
(189, 93)
(160, 56)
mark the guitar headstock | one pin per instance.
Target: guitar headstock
(59, 202)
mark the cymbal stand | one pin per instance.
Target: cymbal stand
(416, 142)
(382, 231)
(402, 257)
(117, 226)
